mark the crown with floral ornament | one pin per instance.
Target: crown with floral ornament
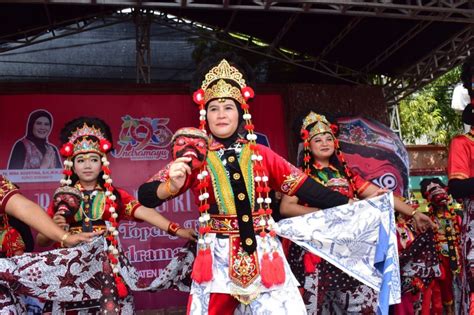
(222, 90)
(223, 71)
(86, 131)
(319, 122)
(86, 146)
(82, 140)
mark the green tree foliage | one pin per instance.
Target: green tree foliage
(427, 114)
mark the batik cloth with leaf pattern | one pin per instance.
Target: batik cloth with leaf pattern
(82, 276)
(360, 239)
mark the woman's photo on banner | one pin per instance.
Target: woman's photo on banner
(34, 151)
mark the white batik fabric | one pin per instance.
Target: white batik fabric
(62, 275)
(275, 302)
(311, 289)
(281, 299)
(71, 278)
(360, 239)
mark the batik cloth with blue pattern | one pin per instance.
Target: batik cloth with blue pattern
(360, 239)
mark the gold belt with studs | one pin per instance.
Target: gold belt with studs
(228, 224)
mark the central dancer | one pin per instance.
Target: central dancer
(240, 267)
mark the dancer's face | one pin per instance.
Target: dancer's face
(322, 146)
(87, 167)
(222, 117)
(41, 127)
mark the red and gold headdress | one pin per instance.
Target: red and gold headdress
(319, 124)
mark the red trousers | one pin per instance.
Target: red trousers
(406, 307)
(219, 304)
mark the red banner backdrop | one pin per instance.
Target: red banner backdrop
(142, 126)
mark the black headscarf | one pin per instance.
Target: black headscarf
(468, 115)
(240, 132)
(467, 74)
(39, 143)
